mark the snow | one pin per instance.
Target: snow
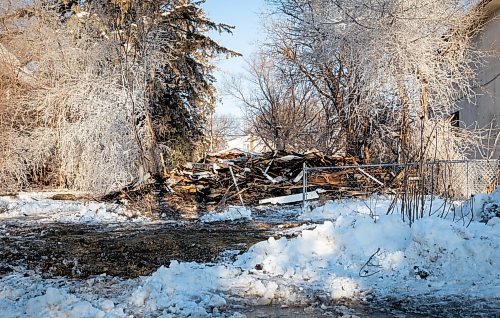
(338, 250)
(248, 143)
(39, 207)
(183, 289)
(484, 206)
(82, 14)
(232, 213)
(357, 251)
(375, 206)
(57, 303)
(288, 158)
(26, 294)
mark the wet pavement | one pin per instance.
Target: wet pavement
(80, 251)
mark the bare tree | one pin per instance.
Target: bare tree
(388, 71)
(220, 129)
(280, 107)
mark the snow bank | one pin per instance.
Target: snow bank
(26, 294)
(183, 289)
(483, 206)
(200, 290)
(333, 257)
(36, 206)
(230, 214)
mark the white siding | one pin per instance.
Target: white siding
(486, 110)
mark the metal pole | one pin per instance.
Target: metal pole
(468, 185)
(304, 186)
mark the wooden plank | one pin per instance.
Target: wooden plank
(313, 195)
(370, 176)
(298, 177)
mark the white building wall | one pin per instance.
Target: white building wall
(485, 112)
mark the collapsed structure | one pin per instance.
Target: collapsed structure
(237, 177)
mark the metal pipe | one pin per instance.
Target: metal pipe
(304, 186)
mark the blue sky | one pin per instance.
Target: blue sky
(245, 16)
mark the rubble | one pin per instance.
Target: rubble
(275, 178)
(240, 178)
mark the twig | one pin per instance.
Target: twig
(368, 263)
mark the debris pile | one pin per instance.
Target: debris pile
(236, 177)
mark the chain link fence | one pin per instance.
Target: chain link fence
(452, 179)
(461, 179)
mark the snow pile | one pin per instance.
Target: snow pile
(191, 289)
(34, 206)
(351, 257)
(57, 303)
(484, 206)
(26, 294)
(230, 214)
(355, 253)
(184, 289)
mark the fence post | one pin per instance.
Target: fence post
(467, 196)
(497, 177)
(304, 186)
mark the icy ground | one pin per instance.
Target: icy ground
(39, 207)
(232, 213)
(354, 253)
